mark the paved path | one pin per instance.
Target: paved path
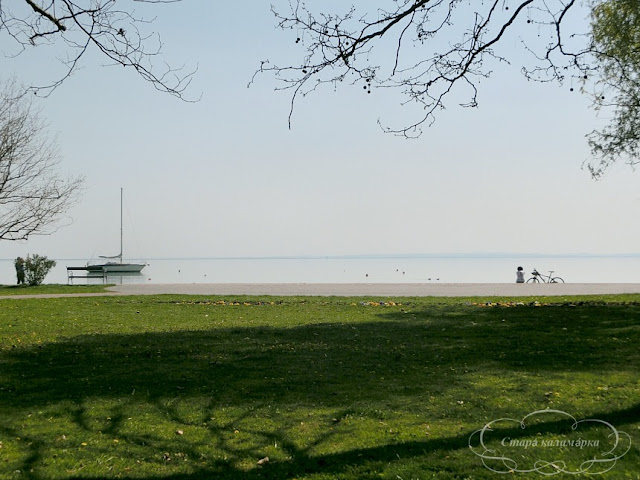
(384, 289)
(361, 289)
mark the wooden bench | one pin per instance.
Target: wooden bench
(71, 275)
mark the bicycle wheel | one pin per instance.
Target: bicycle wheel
(556, 280)
(533, 280)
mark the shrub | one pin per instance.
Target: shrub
(37, 267)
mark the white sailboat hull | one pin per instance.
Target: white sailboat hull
(116, 267)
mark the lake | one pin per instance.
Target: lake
(364, 269)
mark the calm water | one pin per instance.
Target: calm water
(405, 269)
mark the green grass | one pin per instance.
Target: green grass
(205, 387)
(50, 289)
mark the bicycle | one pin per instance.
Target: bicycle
(539, 278)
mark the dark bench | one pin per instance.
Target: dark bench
(71, 275)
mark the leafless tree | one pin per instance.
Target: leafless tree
(112, 28)
(33, 196)
(432, 50)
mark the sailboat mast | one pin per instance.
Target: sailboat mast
(120, 224)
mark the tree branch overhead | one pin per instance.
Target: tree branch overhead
(107, 26)
(428, 49)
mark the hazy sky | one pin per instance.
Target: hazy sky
(226, 177)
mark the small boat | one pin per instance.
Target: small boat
(116, 267)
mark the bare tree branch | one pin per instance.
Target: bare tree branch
(83, 25)
(33, 197)
(440, 49)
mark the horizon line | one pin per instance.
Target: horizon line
(370, 256)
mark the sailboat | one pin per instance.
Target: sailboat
(112, 266)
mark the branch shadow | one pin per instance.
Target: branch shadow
(539, 339)
(302, 463)
(329, 365)
(317, 362)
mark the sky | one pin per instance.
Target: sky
(226, 177)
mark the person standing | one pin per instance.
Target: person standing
(520, 275)
(19, 263)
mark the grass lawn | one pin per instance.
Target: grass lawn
(50, 289)
(187, 387)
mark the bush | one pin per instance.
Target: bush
(37, 267)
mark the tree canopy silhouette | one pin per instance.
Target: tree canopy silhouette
(616, 37)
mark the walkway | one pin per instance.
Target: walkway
(361, 289)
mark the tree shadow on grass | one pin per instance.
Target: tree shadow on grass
(543, 339)
(330, 365)
(318, 363)
(368, 462)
